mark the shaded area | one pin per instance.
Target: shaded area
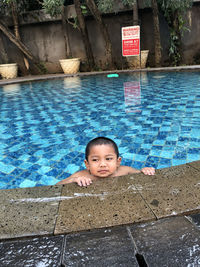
(167, 242)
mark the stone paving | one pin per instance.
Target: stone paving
(123, 221)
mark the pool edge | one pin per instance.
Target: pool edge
(45, 214)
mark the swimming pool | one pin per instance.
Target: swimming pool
(154, 117)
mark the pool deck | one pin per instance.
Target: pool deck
(134, 220)
(61, 75)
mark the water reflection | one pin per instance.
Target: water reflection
(72, 82)
(132, 95)
(11, 89)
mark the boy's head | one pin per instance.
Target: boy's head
(102, 157)
(101, 141)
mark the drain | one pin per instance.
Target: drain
(141, 261)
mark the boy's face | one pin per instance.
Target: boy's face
(102, 161)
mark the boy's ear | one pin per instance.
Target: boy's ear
(119, 161)
(86, 164)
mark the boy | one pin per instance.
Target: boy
(102, 160)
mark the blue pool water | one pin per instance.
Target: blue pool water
(154, 118)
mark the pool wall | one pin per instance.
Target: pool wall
(48, 42)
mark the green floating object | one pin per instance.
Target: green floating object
(112, 75)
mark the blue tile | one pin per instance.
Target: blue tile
(53, 140)
(159, 142)
(25, 165)
(34, 167)
(167, 154)
(155, 153)
(72, 168)
(4, 168)
(126, 162)
(143, 152)
(44, 169)
(194, 150)
(27, 183)
(193, 157)
(178, 161)
(16, 172)
(165, 162)
(54, 172)
(138, 165)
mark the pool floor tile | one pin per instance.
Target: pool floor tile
(29, 211)
(171, 191)
(104, 203)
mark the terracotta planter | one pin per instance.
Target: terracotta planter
(134, 61)
(8, 71)
(70, 66)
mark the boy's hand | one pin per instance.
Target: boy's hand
(83, 181)
(148, 171)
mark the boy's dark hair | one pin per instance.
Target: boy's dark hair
(100, 141)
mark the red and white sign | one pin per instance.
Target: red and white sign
(132, 95)
(131, 41)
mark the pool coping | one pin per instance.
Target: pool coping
(53, 224)
(126, 200)
(62, 75)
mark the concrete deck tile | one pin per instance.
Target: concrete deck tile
(102, 247)
(34, 252)
(195, 164)
(29, 211)
(195, 219)
(171, 191)
(168, 242)
(104, 203)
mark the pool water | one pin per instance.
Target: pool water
(154, 117)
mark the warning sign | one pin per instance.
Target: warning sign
(131, 41)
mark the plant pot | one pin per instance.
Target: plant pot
(134, 61)
(70, 66)
(8, 71)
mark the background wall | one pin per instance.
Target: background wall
(45, 40)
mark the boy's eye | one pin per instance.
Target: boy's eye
(109, 158)
(94, 159)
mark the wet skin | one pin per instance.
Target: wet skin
(102, 163)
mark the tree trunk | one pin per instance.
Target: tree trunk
(135, 14)
(84, 34)
(96, 14)
(22, 47)
(176, 27)
(23, 65)
(157, 44)
(4, 55)
(65, 33)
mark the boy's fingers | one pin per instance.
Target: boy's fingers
(149, 171)
(84, 182)
(79, 183)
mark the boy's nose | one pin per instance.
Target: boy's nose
(102, 163)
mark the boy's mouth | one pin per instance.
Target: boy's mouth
(103, 171)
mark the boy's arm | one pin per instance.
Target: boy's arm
(129, 170)
(82, 178)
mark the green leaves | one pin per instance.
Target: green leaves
(174, 12)
(53, 7)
